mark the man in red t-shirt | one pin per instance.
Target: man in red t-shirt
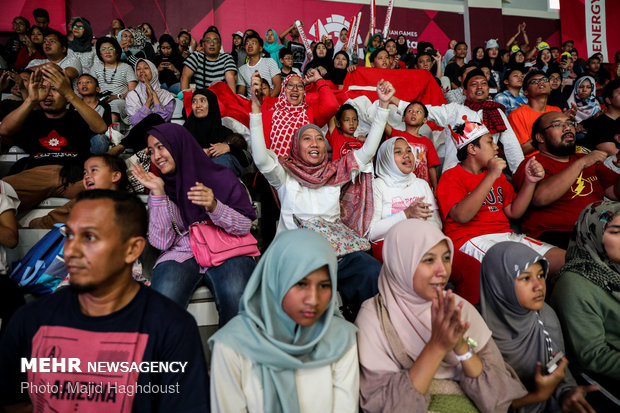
(572, 181)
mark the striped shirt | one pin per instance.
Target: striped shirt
(267, 68)
(175, 247)
(207, 71)
(115, 80)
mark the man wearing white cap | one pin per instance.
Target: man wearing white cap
(476, 200)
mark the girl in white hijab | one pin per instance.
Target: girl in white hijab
(414, 355)
(148, 97)
(398, 194)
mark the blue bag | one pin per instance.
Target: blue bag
(43, 267)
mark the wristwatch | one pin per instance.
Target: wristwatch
(471, 344)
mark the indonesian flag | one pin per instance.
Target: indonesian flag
(410, 84)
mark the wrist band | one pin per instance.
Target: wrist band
(471, 344)
(466, 356)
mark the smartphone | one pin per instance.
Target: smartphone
(553, 363)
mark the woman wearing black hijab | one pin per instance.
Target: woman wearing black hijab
(218, 142)
(321, 59)
(339, 71)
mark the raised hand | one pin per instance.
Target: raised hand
(534, 171)
(312, 76)
(54, 75)
(37, 90)
(255, 92)
(385, 91)
(202, 195)
(148, 179)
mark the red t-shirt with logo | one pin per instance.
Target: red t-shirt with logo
(563, 213)
(342, 145)
(424, 152)
(455, 184)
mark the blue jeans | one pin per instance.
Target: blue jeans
(99, 144)
(174, 89)
(230, 162)
(358, 276)
(178, 280)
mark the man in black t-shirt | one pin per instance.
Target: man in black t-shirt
(57, 138)
(135, 349)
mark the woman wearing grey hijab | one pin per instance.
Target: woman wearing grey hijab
(526, 329)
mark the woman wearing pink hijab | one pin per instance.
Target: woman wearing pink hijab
(420, 348)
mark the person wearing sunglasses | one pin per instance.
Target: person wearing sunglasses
(572, 181)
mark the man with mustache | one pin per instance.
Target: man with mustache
(572, 181)
(107, 318)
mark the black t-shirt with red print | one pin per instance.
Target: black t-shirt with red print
(59, 141)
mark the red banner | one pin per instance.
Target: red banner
(593, 25)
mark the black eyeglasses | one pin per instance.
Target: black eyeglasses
(538, 80)
(559, 124)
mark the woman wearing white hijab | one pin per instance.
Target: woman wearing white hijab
(414, 356)
(148, 97)
(398, 193)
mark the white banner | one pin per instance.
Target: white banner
(596, 31)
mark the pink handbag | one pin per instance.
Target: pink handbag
(212, 245)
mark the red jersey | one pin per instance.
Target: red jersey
(424, 152)
(563, 213)
(455, 184)
(342, 145)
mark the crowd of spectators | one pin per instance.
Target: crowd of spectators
(466, 220)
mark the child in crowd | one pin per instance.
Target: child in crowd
(476, 199)
(88, 88)
(286, 63)
(526, 329)
(100, 172)
(426, 158)
(341, 135)
(398, 194)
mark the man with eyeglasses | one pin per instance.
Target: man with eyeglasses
(572, 181)
(210, 65)
(512, 96)
(537, 89)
